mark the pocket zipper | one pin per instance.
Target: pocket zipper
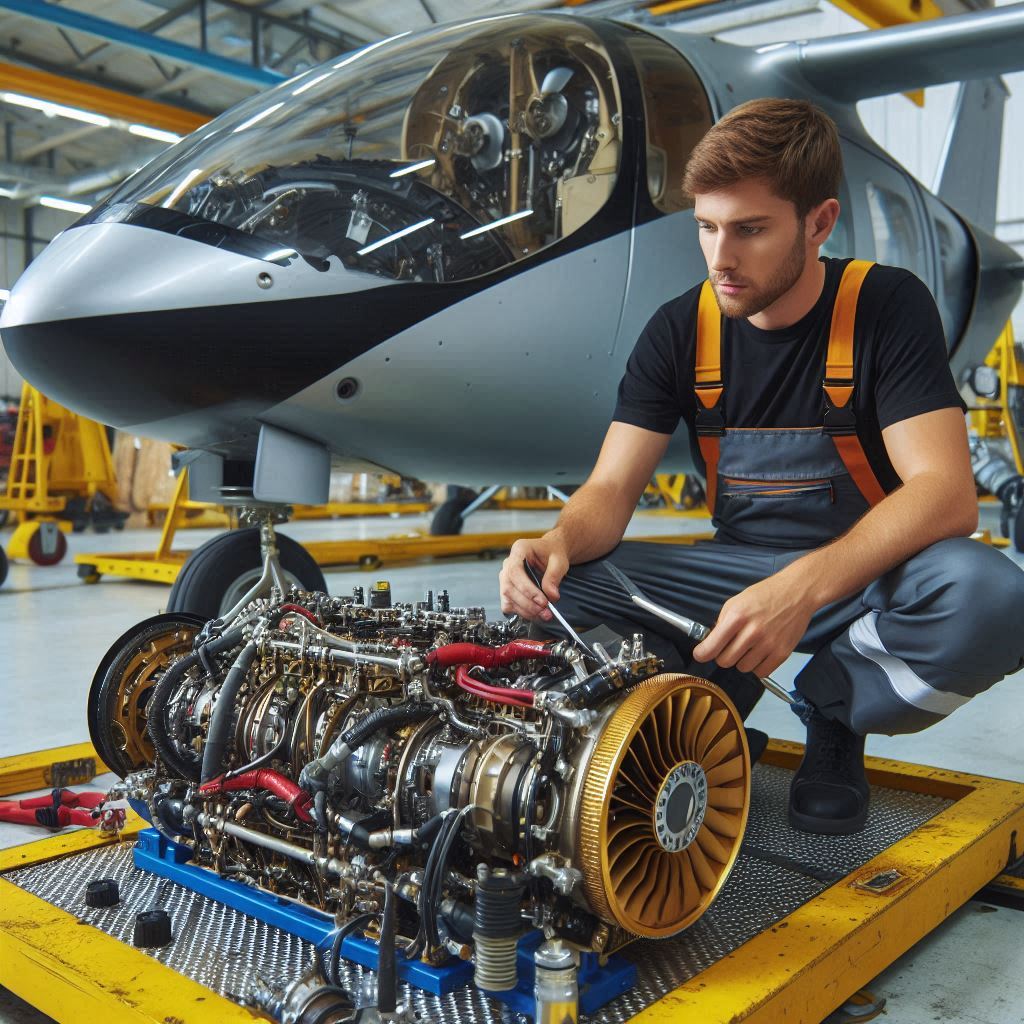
(758, 488)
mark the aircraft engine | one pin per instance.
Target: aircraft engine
(318, 748)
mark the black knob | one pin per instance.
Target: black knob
(152, 928)
(102, 892)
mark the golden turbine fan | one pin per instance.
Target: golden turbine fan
(664, 804)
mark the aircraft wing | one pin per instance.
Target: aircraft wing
(864, 64)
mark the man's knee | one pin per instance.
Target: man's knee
(968, 598)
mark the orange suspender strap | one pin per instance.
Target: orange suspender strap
(840, 422)
(710, 423)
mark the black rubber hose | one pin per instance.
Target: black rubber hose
(406, 714)
(223, 713)
(333, 978)
(437, 880)
(156, 724)
(426, 832)
(426, 912)
(387, 969)
(157, 727)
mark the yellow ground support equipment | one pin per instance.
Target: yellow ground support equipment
(993, 416)
(846, 927)
(61, 476)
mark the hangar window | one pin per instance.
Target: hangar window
(676, 114)
(430, 157)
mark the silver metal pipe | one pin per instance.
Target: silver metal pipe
(336, 654)
(282, 846)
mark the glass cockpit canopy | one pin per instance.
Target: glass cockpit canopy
(430, 157)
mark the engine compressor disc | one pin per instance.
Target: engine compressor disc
(663, 806)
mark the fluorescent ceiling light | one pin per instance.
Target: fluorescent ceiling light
(256, 118)
(56, 109)
(413, 167)
(498, 223)
(64, 204)
(311, 83)
(154, 133)
(366, 49)
(4, 294)
(179, 191)
(397, 235)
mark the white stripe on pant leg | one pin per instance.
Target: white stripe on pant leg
(905, 681)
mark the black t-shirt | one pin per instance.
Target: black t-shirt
(773, 378)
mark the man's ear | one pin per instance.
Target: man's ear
(821, 220)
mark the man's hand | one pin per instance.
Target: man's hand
(759, 628)
(546, 554)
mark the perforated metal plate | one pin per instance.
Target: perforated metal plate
(778, 870)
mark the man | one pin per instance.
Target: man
(820, 403)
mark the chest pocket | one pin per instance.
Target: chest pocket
(785, 487)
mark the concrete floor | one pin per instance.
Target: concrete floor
(54, 630)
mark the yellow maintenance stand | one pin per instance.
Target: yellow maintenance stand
(61, 477)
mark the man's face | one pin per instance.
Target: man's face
(753, 243)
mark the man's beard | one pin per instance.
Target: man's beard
(751, 301)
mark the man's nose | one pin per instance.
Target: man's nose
(723, 254)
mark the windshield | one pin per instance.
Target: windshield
(438, 156)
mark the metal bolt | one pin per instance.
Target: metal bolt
(264, 280)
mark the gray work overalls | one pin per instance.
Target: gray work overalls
(897, 657)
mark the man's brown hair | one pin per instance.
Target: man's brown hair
(791, 144)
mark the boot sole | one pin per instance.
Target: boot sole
(828, 826)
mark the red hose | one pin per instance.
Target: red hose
(496, 694)
(297, 609)
(265, 778)
(487, 657)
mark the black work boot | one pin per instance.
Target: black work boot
(829, 793)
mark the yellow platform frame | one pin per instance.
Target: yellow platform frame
(796, 971)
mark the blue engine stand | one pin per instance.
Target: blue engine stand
(153, 853)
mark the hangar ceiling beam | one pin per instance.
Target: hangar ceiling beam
(135, 39)
(86, 96)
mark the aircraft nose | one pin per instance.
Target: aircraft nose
(142, 329)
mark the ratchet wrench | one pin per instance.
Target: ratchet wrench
(694, 630)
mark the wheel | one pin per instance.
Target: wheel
(220, 572)
(47, 551)
(447, 518)
(124, 682)
(88, 574)
(3, 566)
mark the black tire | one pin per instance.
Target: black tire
(217, 570)
(103, 693)
(3, 566)
(447, 519)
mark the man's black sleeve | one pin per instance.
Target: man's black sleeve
(912, 374)
(648, 393)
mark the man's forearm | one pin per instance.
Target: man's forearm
(910, 519)
(593, 521)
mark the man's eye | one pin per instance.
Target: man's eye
(704, 226)
(750, 230)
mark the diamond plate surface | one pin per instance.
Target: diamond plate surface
(778, 870)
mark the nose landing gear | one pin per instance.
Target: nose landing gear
(226, 573)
